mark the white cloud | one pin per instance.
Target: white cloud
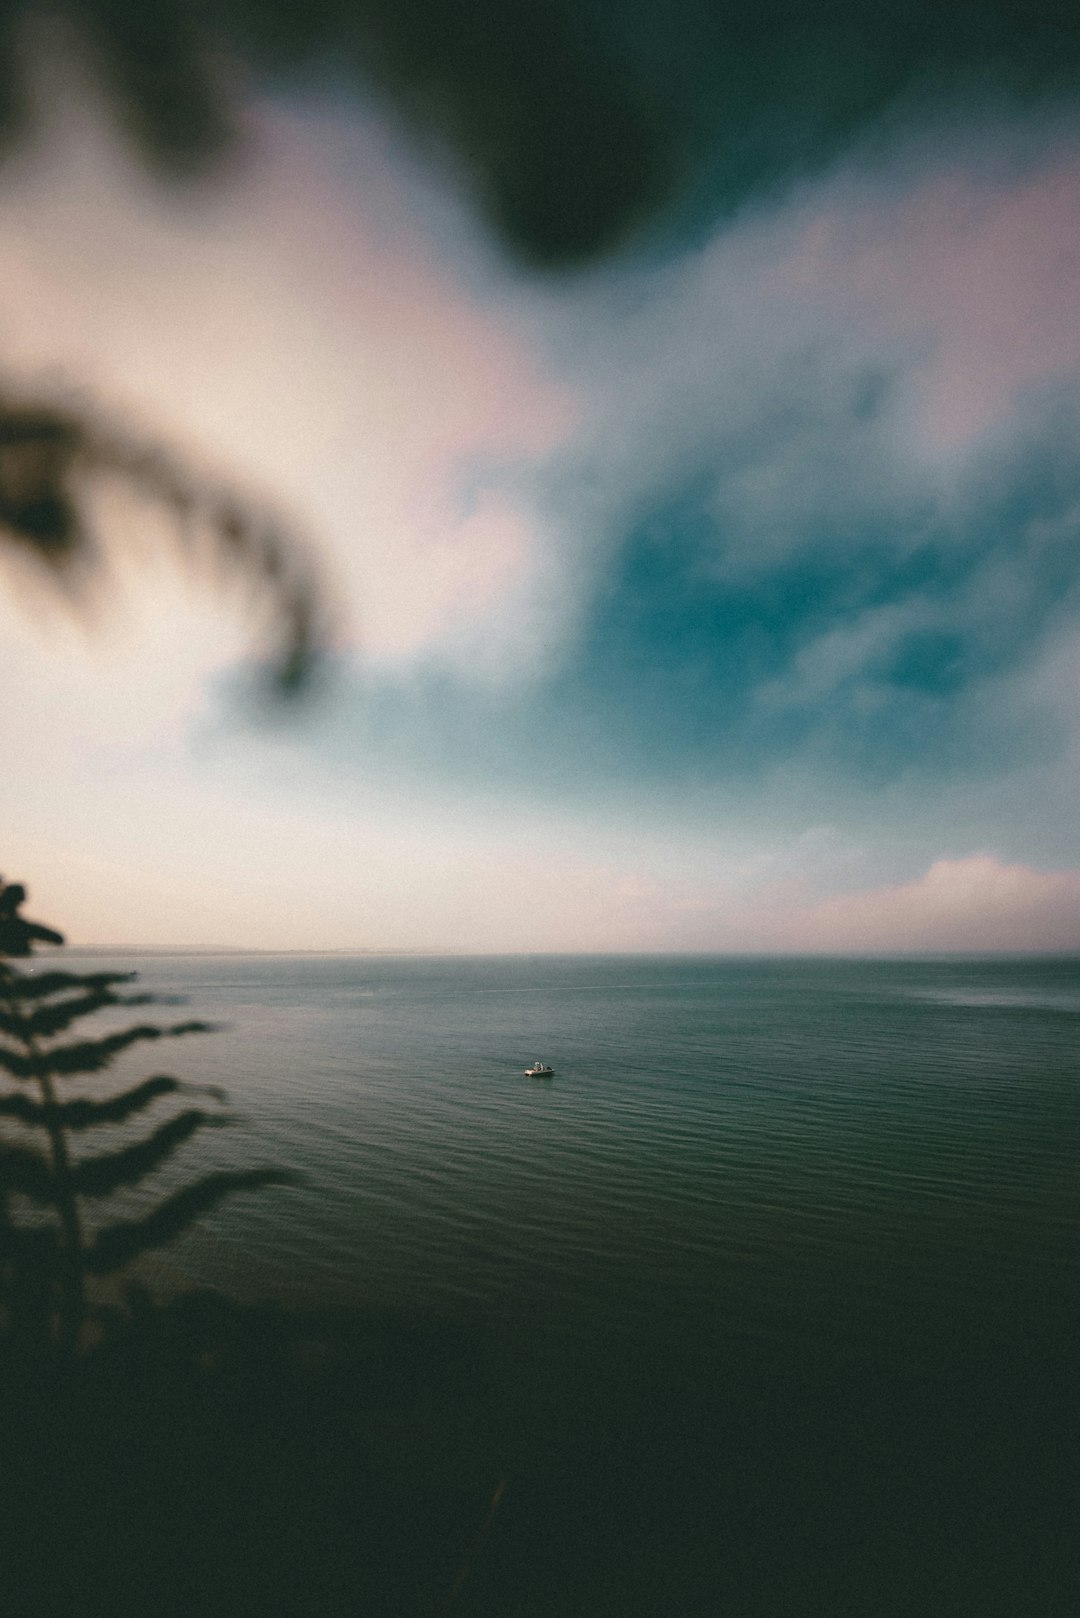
(298, 330)
(472, 451)
(970, 904)
(982, 268)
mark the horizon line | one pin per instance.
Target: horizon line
(353, 951)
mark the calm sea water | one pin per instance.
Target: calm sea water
(782, 1242)
(718, 1133)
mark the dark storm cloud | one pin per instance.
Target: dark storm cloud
(576, 122)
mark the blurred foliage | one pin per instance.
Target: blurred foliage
(561, 143)
(573, 122)
(51, 461)
(561, 152)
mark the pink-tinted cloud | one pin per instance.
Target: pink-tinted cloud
(971, 904)
(985, 274)
(306, 328)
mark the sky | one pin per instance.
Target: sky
(710, 585)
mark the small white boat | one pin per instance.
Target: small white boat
(539, 1070)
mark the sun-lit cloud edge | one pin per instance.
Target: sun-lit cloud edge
(975, 904)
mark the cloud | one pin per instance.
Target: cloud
(302, 332)
(668, 550)
(978, 262)
(700, 540)
(784, 561)
(683, 483)
(904, 639)
(973, 904)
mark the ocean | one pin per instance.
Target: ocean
(772, 1288)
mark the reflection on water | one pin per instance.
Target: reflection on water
(1007, 999)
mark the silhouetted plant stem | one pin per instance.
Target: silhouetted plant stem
(72, 1284)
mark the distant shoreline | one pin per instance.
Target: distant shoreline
(240, 949)
(182, 950)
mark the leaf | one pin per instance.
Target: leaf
(91, 1055)
(117, 1244)
(100, 1176)
(49, 1020)
(17, 935)
(20, 986)
(78, 1115)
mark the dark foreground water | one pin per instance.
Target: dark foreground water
(766, 1304)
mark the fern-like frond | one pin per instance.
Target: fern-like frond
(79, 1115)
(47, 1021)
(118, 1244)
(39, 985)
(102, 1175)
(91, 1055)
